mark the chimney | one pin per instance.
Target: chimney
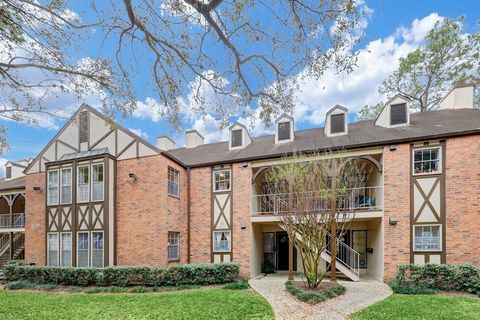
(164, 143)
(193, 138)
(459, 97)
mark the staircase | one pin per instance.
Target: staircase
(18, 247)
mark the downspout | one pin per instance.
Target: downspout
(188, 215)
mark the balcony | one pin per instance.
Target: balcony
(13, 221)
(360, 200)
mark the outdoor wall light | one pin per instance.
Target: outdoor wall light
(38, 189)
(243, 226)
(392, 147)
(132, 177)
(393, 221)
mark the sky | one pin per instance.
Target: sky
(391, 30)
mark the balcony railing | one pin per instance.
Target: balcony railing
(16, 220)
(355, 199)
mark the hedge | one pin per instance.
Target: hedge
(199, 274)
(314, 297)
(429, 278)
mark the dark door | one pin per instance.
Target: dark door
(282, 252)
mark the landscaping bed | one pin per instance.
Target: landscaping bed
(324, 291)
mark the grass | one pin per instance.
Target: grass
(422, 307)
(199, 304)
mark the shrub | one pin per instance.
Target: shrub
(429, 278)
(314, 297)
(241, 285)
(201, 274)
(21, 284)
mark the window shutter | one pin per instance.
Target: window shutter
(337, 123)
(83, 126)
(236, 138)
(398, 114)
(284, 131)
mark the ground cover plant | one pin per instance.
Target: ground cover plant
(322, 292)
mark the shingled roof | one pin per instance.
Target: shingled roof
(13, 184)
(423, 126)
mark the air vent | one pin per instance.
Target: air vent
(237, 138)
(337, 123)
(398, 114)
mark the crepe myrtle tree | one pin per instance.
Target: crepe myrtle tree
(315, 200)
(223, 55)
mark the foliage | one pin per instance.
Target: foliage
(447, 57)
(313, 197)
(415, 279)
(268, 267)
(200, 304)
(368, 112)
(201, 274)
(314, 297)
(422, 307)
(20, 284)
(241, 285)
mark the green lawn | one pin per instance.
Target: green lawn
(192, 304)
(424, 307)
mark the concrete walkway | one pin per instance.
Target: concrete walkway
(358, 296)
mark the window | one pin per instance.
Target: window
(82, 184)
(82, 249)
(173, 182)
(83, 126)
(221, 241)
(427, 160)
(173, 247)
(237, 138)
(8, 172)
(97, 249)
(284, 131)
(427, 238)
(52, 249)
(66, 252)
(66, 186)
(337, 123)
(221, 180)
(398, 114)
(52, 187)
(97, 182)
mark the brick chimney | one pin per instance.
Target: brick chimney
(164, 143)
(193, 138)
(459, 97)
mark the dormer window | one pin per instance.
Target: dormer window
(284, 129)
(237, 138)
(8, 172)
(398, 114)
(337, 123)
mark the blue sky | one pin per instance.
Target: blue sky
(393, 29)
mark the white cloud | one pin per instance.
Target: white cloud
(150, 109)
(139, 132)
(3, 161)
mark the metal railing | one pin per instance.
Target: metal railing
(16, 220)
(355, 199)
(346, 255)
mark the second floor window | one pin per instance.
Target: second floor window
(83, 184)
(52, 198)
(221, 180)
(97, 182)
(427, 161)
(173, 182)
(66, 187)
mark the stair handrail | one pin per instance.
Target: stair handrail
(349, 252)
(4, 241)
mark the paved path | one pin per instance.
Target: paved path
(358, 296)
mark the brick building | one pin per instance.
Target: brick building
(98, 195)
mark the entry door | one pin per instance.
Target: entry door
(359, 244)
(282, 252)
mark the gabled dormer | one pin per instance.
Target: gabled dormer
(239, 136)
(395, 113)
(336, 121)
(284, 129)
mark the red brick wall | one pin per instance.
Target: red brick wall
(146, 213)
(241, 239)
(35, 216)
(200, 215)
(396, 170)
(463, 200)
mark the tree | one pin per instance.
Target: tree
(447, 57)
(315, 201)
(370, 112)
(243, 52)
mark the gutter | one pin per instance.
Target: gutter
(188, 214)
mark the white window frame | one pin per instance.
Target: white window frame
(177, 258)
(229, 241)
(440, 162)
(91, 248)
(48, 187)
(48, 248)
(439, 234)
(61, 249)
(88, 184)
(177, 176)
(88, 249)
(92, 181)
(230, 180)
(61, 185)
